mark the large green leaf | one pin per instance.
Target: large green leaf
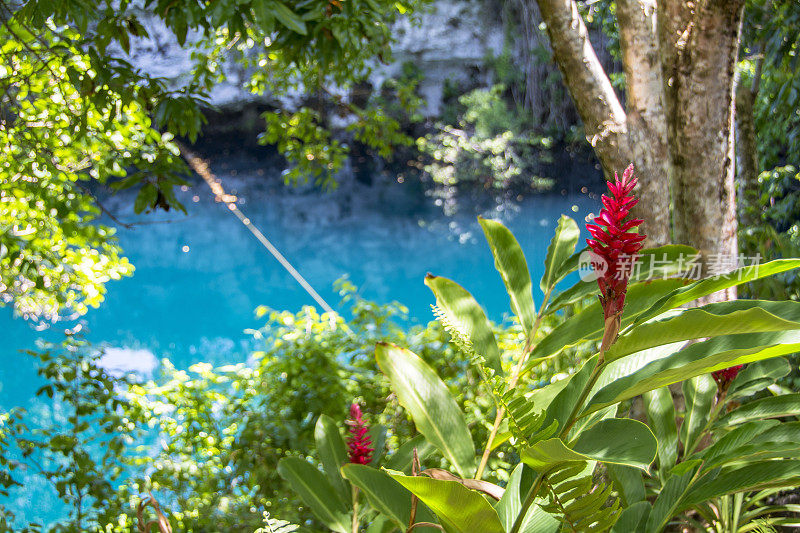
(459, 509)
(510, 505)
(588, 325)
(770, 407)
(316, 492)
(653, 264)
(628, 481)
(668, 502)
(430, 404)
(699, 358)
(699, 393)
(754, 476)
(510, 263)
(708, 286)
(633, 519)
(621, 441)
(561, 248)
(385, 495)
(465, 316)
(333, 454)
(661, 418)
(724, 318)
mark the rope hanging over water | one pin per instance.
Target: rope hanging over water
(202, 170)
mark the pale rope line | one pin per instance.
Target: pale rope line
(201, 168)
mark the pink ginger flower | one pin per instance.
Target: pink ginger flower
(614, 242)
(359, 443)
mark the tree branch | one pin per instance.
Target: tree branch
(603, 116)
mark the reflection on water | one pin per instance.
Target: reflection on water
(199, 277)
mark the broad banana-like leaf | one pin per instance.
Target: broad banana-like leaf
(561, 248)
(724, 318)
(769, 407)
(510, 263)
(700, 358)
(333, 454)
(464, 317)
(312, 487)
(699, 393)
(459, 509)
(434, 410)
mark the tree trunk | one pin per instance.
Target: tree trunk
(700, 114)
(618, 139)
(646, 121)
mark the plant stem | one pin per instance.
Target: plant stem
(537, 484)
(573, 416)
(512, 382)
(355, 525)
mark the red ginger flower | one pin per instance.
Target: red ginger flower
(615, 244)
(726, 376)
(359, 443)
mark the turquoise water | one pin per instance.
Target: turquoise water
(199, 277)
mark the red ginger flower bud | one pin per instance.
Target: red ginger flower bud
(726, 376)
(614, 243)
(359, 443)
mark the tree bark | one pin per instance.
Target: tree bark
(618, 138)
(646, 121)
(700, 119)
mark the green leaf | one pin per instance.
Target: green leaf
(661, 419)
(728, 448)
(699, 393)
(770, 407)
(561, 248)
(288, 18)
(628, 481)
(510, 504)
(385, 494)
(668, 502)
(510, 263)
(430, 404)
(724, 318)
(588, 325)
(708, 286)
(459, 509)
(754, 476)
(633, 519)
(333, 454)
(401, 459)
(621, 441)
(464, 318)
(316, 492)
(699, 358)
(758, 376)
(653, 264)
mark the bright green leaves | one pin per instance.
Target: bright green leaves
(316, 492)
(615, 440)
(459, 509)
(770, 407)
(510, 263)
(465, 321)
(561, 248)
(708, 286)
(661, 420)
(430, 404)
(738, 316)
(700, 358)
